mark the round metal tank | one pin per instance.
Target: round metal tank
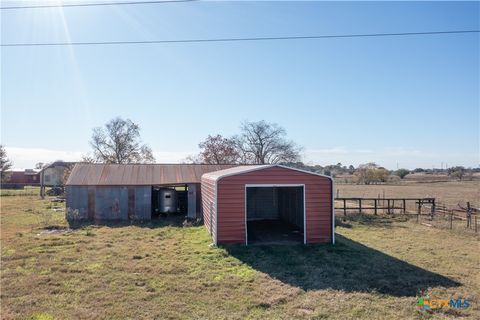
(167, 200)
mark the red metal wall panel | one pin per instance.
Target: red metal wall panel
(231, 202)
(208, 205)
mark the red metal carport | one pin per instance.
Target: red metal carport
(224, 201)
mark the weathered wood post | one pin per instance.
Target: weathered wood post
(375, 206)
(388, 206)
(475, 224)
(451, 220)
(404, 206)
(469, 215)
(360, 205)
(419, 206)
(345, 207)
(432, 201)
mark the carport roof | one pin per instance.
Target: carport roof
(216, 175)
(87, 174)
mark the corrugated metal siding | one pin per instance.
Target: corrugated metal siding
(139, 174)
(77, 202)
(208, 205)
(231, 202)
(262, 203)
(110, 202)
(143, 203)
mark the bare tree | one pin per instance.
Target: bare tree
(5, 165)
(371, 173)
(262, 142)
(119, 142)
(39, 165)
(218, 150)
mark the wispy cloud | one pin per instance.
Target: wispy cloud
(28, 157)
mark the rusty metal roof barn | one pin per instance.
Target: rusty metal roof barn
(86, 174)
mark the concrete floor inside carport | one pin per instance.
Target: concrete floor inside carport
(267, 232)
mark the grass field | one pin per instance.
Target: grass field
(449, 193)
(164, 270)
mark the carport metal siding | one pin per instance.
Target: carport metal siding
(231, 202)
(208, 190)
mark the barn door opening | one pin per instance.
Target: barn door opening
(275, 214)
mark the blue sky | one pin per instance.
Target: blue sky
(412, 101)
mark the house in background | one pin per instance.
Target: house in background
(52, 174)
(20, 178)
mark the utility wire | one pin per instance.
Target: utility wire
(94, 4)
(236, 39)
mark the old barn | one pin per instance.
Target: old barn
(100, 192)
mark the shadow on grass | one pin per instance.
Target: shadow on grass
(348, 266)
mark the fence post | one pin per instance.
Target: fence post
(451, 220)
(419, 206)
(388, 206)
(375, 205)
(469, 216)
(404, 206)
(433, 207)
(475, 224)
(360, 205)
(344, 207)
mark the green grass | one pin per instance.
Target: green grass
(166, 271)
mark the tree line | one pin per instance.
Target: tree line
(261, 142)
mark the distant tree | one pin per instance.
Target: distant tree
(457, 172)
(5, 165)
(262, 142)
(119, 142)
(371, 173)
(351, 169)
(469, 174)
(218, 150)
(381, 174)
(39, 165)
(402, 173)
(418, 170)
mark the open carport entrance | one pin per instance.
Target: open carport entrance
(275, 213)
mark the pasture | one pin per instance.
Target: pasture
(165, 270)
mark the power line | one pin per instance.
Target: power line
(94, 4)
(236, 39)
